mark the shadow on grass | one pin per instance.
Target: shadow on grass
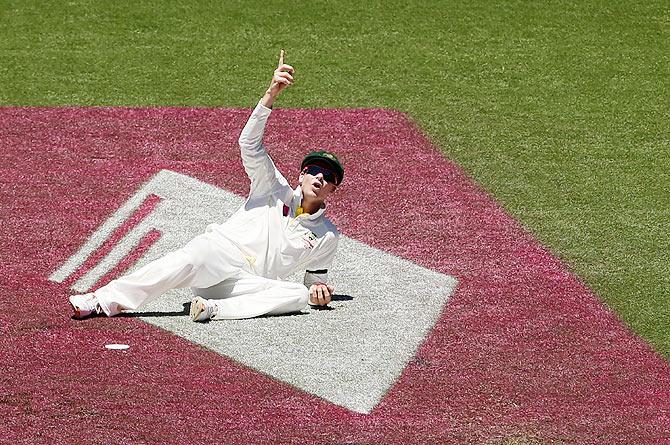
(187, 310)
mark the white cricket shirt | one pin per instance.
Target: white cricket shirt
(274, 240)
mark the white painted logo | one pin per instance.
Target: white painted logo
(350, 355)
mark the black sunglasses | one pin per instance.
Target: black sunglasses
(328, 175)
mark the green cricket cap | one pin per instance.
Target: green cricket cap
(325, 158)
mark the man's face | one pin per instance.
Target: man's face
(317, 182)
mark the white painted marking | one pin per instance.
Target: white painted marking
(187, 206)
(117, 346)
(350, 355)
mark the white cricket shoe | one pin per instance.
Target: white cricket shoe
(85, 305)
(202, 310)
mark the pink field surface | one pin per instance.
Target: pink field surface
(523, 352)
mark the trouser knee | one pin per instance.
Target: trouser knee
(198, 253)
(300, 300)
(303, 297)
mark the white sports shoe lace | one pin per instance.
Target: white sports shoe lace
(93, 304)
(212, 309)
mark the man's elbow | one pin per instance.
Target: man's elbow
(243, 140)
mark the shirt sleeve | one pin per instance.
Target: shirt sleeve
(313, 277)
(318, 270)
(264, 176)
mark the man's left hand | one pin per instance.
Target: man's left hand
(320, 294)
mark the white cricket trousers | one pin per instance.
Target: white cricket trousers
(215, 269)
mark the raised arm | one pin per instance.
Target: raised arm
(257, 163)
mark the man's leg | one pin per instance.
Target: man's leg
(203, 262)
(248, 296)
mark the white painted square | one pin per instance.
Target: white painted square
(349, 355)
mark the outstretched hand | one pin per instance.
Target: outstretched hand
(282, 77)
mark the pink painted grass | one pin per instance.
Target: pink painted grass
(523, 351)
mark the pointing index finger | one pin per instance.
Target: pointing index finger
(281, 57)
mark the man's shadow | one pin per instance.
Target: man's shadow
(187, 309)
(336, 297)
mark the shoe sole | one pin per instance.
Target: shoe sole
(197, 308)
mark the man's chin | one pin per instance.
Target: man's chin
(313, 193)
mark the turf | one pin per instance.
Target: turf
(559, 109)
(522, 351)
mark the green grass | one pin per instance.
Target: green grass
(559, 109)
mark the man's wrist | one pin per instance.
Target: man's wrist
(268, 99)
